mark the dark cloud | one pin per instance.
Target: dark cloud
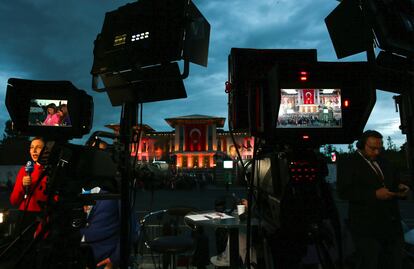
(53, 40)
(47, 40)
(385, 119)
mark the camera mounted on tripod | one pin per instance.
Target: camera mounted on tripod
(288, 97)
(57, 111)
(294, 104)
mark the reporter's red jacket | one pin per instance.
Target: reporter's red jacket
(17, 196)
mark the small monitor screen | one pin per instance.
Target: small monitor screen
(45, 112)
(310, 108)
(227, 164)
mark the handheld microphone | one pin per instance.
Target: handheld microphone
(28, 169)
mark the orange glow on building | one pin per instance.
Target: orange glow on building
(190, 161)
(201, 160)
(194, 143)
(179, 161)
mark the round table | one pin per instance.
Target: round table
(230, 222)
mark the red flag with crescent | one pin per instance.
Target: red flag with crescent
(309, 97)
(195, 137)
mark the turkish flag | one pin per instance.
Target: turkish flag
(309, 97)
(195, 137)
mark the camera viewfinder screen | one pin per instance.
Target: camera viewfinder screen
(45, 112)
(310, 108)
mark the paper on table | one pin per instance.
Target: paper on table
(196, 217)
(225, 216)
(208, 216)
(217, 215)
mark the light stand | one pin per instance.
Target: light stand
(136, 57)
(128, 119)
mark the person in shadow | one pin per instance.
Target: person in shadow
(372, 187)
(102, 231)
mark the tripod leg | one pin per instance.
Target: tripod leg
(17, 239)
(24, 255)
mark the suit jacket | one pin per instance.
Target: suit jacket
(357, 182)
(102, 230)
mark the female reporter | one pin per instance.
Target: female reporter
(28, 191)
(30, 184)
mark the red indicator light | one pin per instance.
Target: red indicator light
(333, 157)
(346, 103)
(305, 137)
(303, 75)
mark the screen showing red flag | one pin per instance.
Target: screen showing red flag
(308, 97)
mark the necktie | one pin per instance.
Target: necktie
(375, 165)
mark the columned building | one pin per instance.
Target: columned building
(195, 140)
(194, 144)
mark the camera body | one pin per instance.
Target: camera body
(32, 105)
(30, 102)
(57, 111)
(299, 100)
(294, 104)
(314, 103)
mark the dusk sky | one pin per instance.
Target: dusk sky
(53, 40)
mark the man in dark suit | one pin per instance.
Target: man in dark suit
(371, 186)
(102, 232)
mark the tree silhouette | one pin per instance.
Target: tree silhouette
(351, 148)
(390, 144)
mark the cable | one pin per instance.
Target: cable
(249, 199)
(135, 142)
(249, 181)
(325, 258)
(136, 147)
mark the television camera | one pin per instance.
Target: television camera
(293, 104)
(68, 168)
(30, 102)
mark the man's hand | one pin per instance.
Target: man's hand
(402, 191)
(384, 194)
(107, 262)
(27, 181)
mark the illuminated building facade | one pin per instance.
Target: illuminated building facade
(195, 142)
